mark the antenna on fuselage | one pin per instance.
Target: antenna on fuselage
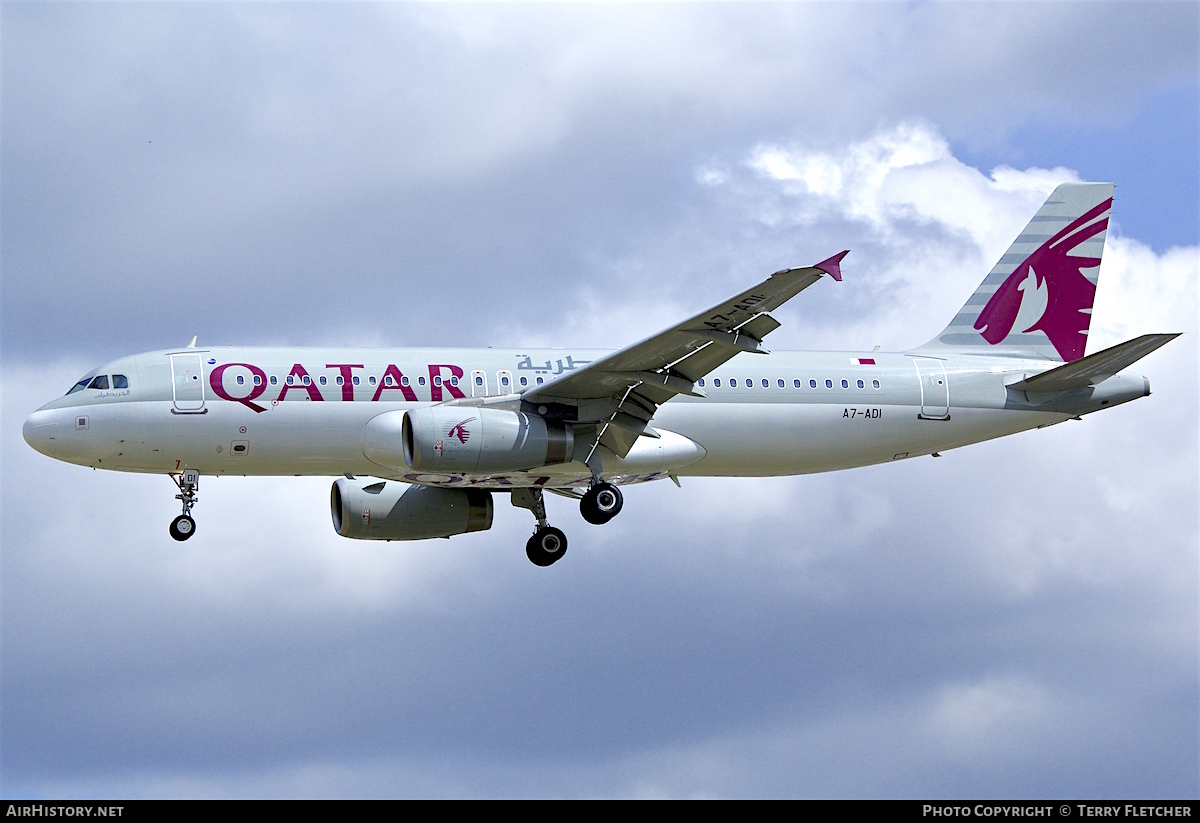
(192, 345)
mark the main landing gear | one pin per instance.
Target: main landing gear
(548, 544)
(599, 504)
(183, 526)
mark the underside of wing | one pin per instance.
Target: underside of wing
(620, 393)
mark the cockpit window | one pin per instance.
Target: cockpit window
(100, 381)
(120, 381)
(80, 386)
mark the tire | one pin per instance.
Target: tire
(182, 527)
(601, 503)
(546, 546)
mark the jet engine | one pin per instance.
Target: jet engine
(387, 510)
(466, 439)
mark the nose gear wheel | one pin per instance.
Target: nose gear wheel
(182, 527)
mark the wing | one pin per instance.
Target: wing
(620, 393)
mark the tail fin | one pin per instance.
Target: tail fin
(1037, 300)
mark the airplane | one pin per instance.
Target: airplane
(421, 439)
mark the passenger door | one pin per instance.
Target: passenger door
(187, 384)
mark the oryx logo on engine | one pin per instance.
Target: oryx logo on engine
(459, 430)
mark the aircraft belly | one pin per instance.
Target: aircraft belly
(752, 439)
(291, 438)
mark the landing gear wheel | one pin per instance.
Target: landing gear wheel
(183, 527)
(546, 546)
(601, 503)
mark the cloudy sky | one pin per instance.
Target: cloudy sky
(1018, 618)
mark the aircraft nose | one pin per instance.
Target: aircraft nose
(41, 431)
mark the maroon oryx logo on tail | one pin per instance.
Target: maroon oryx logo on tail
(1068, 294)
(459, 430)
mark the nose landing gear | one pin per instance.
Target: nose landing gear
(183, 526)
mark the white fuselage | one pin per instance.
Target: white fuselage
(233, 411)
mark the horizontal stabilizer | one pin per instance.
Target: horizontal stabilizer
(1095, 368)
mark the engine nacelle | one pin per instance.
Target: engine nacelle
(387, 510)
(466, 439)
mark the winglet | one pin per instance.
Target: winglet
(192, 344)
(833, 266)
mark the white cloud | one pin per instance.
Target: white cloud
(850, 182)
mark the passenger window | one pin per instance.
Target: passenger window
(454, 381)
(875, 384)
(388, 381)
(339, 379)
(322, 379)
(421, 380)
(307, 380)
(733, 382)
(780, 383)
(524, 381)
(812, 384)
(274, 380)
(700, 382)
(845, 384)
(258, 379)
(766, 383)
(504, 381)
(539, 381)
(437, 381)
(371, 380)
(241, 380)
(828, 383)
(291, 380)
(403, 381)
(478, 380)
(861, 385)
(796, 383)
(355, 380)
(120, 381)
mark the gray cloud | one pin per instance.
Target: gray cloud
(298, 172)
